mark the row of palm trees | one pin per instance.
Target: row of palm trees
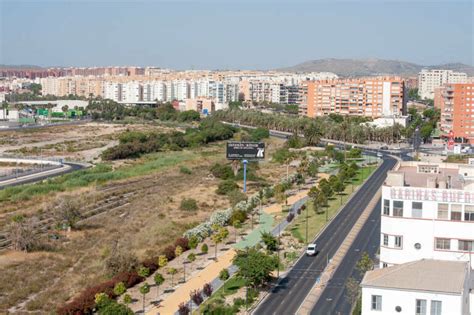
(348, 128)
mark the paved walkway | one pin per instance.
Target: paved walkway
(181, 294)
(210, 274)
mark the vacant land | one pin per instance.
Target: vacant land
(75, 142)
(133, 203)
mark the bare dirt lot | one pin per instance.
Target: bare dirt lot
(75, 142)
(141, 213)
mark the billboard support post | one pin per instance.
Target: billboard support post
(245, 175)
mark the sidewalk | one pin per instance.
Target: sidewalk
(210, 273)
(181, 294)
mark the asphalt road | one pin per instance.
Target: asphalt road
(40, 176)
(334, 300)
(293, 288)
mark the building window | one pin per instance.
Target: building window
(420, 307)
(443, 243)
(398, 242)
(465, 245)
(456, 212)
(376, 303)
(436, 307)
(385, 239)
(443, 211)
(386, 207)
(398, 208)
(416, 209)
(468, 213)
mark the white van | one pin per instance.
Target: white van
(311, 250)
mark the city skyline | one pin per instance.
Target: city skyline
(211, 35)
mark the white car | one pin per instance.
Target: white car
(379, 154)
(311, 250)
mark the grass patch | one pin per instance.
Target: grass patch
(231, 287)
(317, 221)
(100, 174)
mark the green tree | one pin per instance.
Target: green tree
(191, 258)
(365, 263)
(236, 225)
(127, 299)
(204, 248)
(143, 272)
(352, 290)
(159, 279)
(254, 266)
(193, 242)
(178, 251)
(216, 238)
(162, 261)
(172, 272)
(120, 288)
(144, 290)
(270, 241)
(224, 276)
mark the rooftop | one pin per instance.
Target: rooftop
(432, 175)
(422, 275)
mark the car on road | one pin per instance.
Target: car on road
(311, 250)
(379, 154)
(384, 147)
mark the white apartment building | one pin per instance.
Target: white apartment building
(423, 287)
(428, 80)
(427, 213)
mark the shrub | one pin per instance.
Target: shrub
(119, 288)
(290, 217)
(204, 248)
(151, 264)
(239, 302)
(162, 261)
(185, 170)
(222, 171)
(238, 216)
(183, 309)
(298, 210)
(143, 272)
(193, 242)
(207, 289)
(178, 251)
(183, 242)
(188, 204)
(235, 196)
(169, 252)
(196, 297)
(226, 187)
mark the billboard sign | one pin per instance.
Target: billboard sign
(245, 150)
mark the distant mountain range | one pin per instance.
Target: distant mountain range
(367, 67)
(20, 67)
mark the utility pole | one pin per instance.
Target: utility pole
(307, 225)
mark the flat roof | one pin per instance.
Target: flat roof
(421, 275)
(414, 178)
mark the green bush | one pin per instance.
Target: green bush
(188, 204)
(222, 171)
(204, 248)
(235, 196)
(185, 170)
(226, 187)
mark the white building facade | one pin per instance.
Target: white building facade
(427, 213)
(428, 80)
(424, 287)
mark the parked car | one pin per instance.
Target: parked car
(379, 154)
(311, 250)
(384, 147)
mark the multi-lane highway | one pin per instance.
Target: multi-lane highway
(287, 297)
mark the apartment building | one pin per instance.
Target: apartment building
(427, 213)
(429, 80)
(456, 103)
(423, 287)
(370, 97)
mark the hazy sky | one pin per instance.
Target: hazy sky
(224, 34)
